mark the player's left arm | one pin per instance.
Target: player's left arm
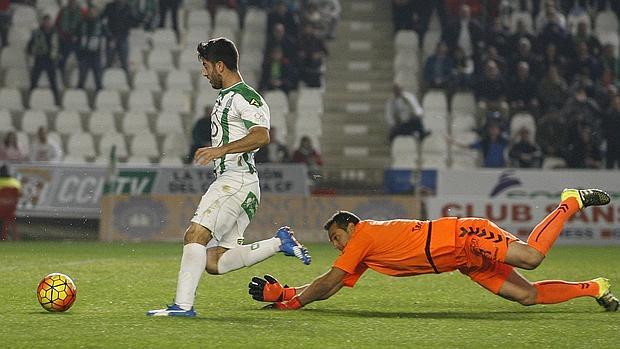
(257, 137)
(321, 288)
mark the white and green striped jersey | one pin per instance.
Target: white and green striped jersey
(237, 109)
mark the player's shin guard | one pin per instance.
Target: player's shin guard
(193, 264)
(247, 255)
(547, 231)
(558, 291)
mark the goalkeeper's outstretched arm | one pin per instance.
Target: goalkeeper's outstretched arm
(322, 287)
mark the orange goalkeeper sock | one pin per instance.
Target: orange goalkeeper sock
(547, 231)
(558, 291)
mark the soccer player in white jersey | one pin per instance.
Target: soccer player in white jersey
(214, 239)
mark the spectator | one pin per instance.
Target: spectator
(492, 145)
(552, 90)
(557, 34)
(402, 15)
(68, 27)
(605, 89)
(118, 19)
(466, 33)
(145, 11)
(308, 155)
(611, 125)
(582, 35)
(90, 45)
(609, 61)
(525, 54)
(584, 63)
(550, 15)
(521, 32)
(582, 150)
(499, 36)
(463, 69)
(280, 14)
(552, 134)
(173, 6)
(525, 153)
(330, 12)
(42, 46)
(581, 109)
(280, 39)
(5, 22)
(311, 56)
(10, 150)
(44, 149)
(312, 17)
(491, 90)
(275, 151)
(276, 73)
(493, 55)
(201, 133)
(522, 90)
(403, 115)
(552, 57)
(438, 68)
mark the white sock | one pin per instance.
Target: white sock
(246, 255)
(193, 264)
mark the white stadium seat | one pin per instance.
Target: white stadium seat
(68, 121)
(42, 99)
(521, 120)
(276, 100)
(169, 123)
(404, 151)
(102, 122)
(227, 18)
(17, 78)
(198, 18)
(175, 145)
(204, 98)
(113, 139)
(108, 100)
(310, 100)
(137, 160)
(160, 59)
(144, 144)
(179, 80)
(81, 144)
(463, 103)
(146, 79)
(606, 21)
(75, 99)
(463, 122)
(407, 39)
(32, 120)
(11, 98)
(523, 16)
(6, 121)
(134, 123)
(141, 101)
(115, 79)
(13, 57)
(435, 102)
(176, 101)
(164, 38)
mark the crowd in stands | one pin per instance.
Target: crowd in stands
(554, 61)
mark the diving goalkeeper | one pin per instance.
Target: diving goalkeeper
(476, 247)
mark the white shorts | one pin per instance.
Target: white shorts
(227, 208)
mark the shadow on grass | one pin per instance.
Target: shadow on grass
(472, 315)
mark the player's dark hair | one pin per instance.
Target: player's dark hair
(220, 49)
(342, 220)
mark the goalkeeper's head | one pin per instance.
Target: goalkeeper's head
(340, 227)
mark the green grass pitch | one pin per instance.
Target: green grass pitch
(117, 283)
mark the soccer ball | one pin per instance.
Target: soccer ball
(56, 292)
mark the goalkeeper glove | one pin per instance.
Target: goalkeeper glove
(269, 290)
(293, 304)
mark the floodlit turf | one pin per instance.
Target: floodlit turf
(117, 283)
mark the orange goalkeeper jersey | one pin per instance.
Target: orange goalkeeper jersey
(399, 248)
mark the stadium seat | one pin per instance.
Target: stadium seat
(115, 79)
(176, 101)
(521, 120)
(308, 125)
(164, 38)
(464, 158)
(255, 20)
(138, 160)
(179, 80)
(112, 139)
(81, 144)
(199, 19)
(108, 100)
(404, 152)
(463, 122)
(204, 98)
(434, 151)
(227, 18)
(23, 141)
(18, 37)
(6, 121)
(42, 99)
(431, 39)
(75, 99)
(136, 60)
(189, 55)
(146, 79)
(606, 21)
(406, 61)
(141, 101)
(134, 123)
(32, 120)
(138, 39)
(169, 123)
(171, 161)
(71, 159)
(437, 123)
(74, 79)
(11, 99)
(408, 80)
(102, 122)
(175, 145)
(24, 16)
(463, 103)
(253, 42)
(48, 7)
(17, 78)
(573, 21)
(160, 60)
(277, 100)
(310, 100)
(144, 144)
(435, 102)
(407, 39)
(13, 57)
(225, 32)
(278, 120)
(68, 121)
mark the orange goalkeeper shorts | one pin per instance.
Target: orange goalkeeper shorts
(481, 247)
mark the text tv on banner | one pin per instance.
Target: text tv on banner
(164, 217)
(517, 200)
(76, 191)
